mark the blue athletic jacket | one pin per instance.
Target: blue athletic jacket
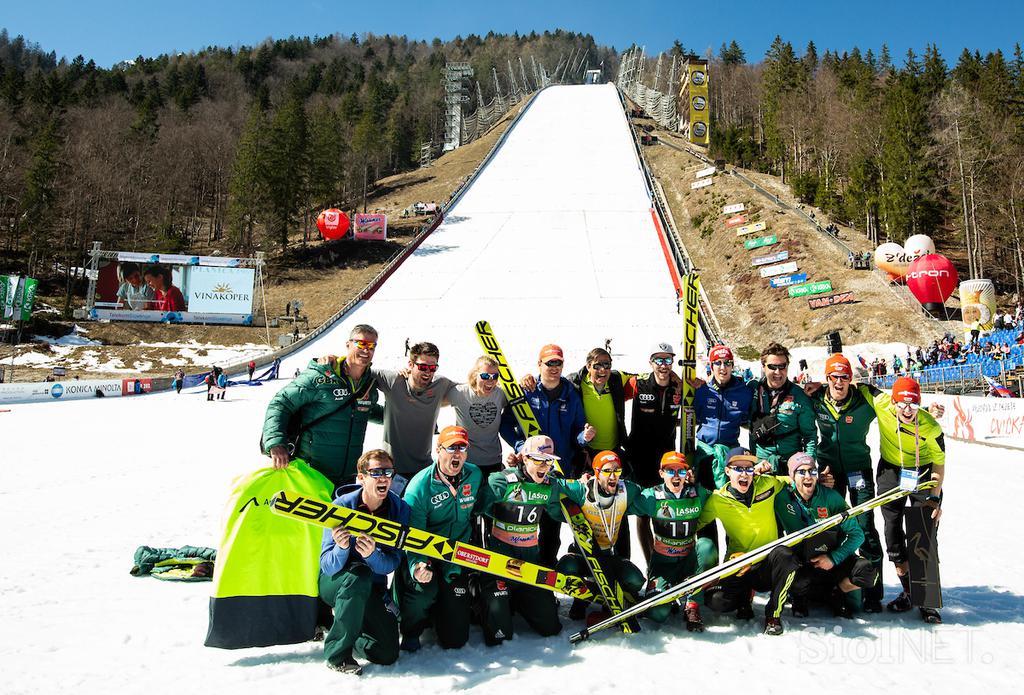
(383, 560)
(721, 411)
(561, 419)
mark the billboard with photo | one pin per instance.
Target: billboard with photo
(173, 288)
(372, 227)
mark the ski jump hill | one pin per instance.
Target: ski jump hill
(552, 242)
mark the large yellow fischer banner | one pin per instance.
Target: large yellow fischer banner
(695, 93)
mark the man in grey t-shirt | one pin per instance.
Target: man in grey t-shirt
(410, 408)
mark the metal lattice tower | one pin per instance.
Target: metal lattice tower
(455, 95)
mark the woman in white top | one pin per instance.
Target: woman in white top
(478, 406)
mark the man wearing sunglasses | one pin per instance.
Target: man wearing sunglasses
(606, 500)
(782, 417)
(745, 507)
(516, 499)
(654, 426)
(354, 570)
(604, 392)
(844, 413)
(830, 568)
(723, 404)
(556, 404)
(912, 448)
(413, 398)
(674, 506)
(443, 499)
(321, 415)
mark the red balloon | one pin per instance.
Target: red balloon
(932, 278)
(332, 223)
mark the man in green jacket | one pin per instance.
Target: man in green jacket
(515, 499)
(782, 420)
(328, 406)
(674, 506)
(443, 499)
(830, 565)
(844, 413)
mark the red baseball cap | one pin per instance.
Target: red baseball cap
(906, 390)
(453, 434)
(604, 458)
(720, 352)
(837, 364)
(674, 459)
(551, 351)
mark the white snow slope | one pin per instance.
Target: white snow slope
(553, 243)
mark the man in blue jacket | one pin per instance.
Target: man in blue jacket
(557, 405)
(354, 569)
(722, 404)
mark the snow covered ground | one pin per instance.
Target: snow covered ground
(554, 243)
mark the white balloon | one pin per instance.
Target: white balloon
(892, 258)
(919, 245)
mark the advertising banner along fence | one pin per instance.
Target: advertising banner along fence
(760, 241)
(709, 171)
(733, 208)
(787, 280)
(772, 258)
(811, 288)
(702, 183)
(831, 300)
(735, 221)
(988, 420)
(780, 269)
(751, 228)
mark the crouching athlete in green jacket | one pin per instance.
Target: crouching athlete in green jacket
(515, 499)
(674, 507)
(830, 568)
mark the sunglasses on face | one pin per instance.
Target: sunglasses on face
(602, 365)
(806, 472)
(365, 344)
(456, 448)
(381, 472)
(912, 407)
(746, 470)
(539, 462)
(722, 363)
(424, 367)
(553, 363)
(662, 361)
(487, 376)
(610, 471)
(840, 377)
(675, 472)
(777, 367)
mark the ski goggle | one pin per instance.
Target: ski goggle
(662, 361)
(381, 472)
(365, 344)
(456, 448)
(806, 472)
(722, 363)
(487, 376)
(424, 367)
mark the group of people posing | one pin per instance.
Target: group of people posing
(806, 454)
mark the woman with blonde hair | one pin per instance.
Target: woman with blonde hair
(478, 406)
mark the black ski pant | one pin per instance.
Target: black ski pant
(502, 597)
(774, 574)
(616, 568)
(813, 583)
(443, 603)
(893, 512)
(362, 621)
(871, 548)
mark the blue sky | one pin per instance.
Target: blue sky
(109, 31)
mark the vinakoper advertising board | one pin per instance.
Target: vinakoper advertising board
(220, 290)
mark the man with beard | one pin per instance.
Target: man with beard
(782, 421)
(745, 507)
